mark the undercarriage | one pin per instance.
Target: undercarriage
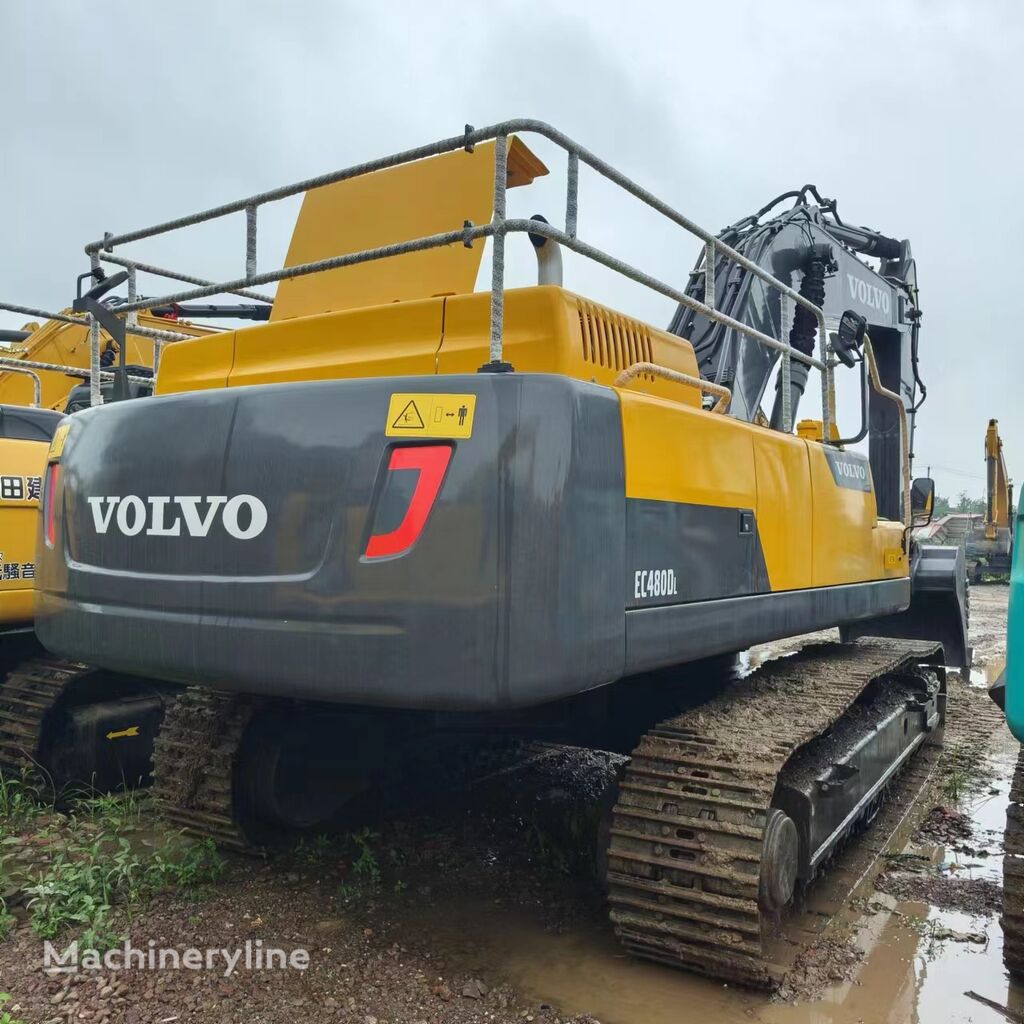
(724, 815)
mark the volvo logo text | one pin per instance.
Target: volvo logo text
(849, 470)
(852, 470)
(868, 294)
(243, 516)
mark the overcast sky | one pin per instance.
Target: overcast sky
(121, 114)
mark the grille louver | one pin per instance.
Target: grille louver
(612, 340)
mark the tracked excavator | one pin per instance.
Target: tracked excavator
(989, 546)
(100, 728)
(404, 511)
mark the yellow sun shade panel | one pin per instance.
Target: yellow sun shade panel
(395, 205)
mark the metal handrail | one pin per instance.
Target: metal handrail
(83, 321)
(68, 371)
(95, 375)
(876, 383)
(499, 227)
(722, 393)
(9, 366)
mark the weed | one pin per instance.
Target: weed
(19, 798)
(113, 812)
(199, 864)
(366, 872)
(962, 769)
(5, 1017)
(75, 889)
(366, 865)
(314, 849)
(80, 886)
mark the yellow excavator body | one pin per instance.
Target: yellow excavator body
(22, 464)
(67, 344)
(23, 449)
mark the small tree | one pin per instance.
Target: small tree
(974, 506)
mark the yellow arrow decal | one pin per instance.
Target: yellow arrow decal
(130, 731)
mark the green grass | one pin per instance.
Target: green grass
(85, 873)
(19, 800)
(80, 888)
(113, 812)
(963, 768)
(366, 875)
(5, 1017)
(315, 849)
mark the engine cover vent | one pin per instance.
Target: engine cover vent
(612, 340)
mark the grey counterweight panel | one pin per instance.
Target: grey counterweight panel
(566, 537)
(510, 596)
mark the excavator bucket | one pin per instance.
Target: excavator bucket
(414, 200)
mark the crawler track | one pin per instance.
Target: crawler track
(193, 764)
(1013, 875)
(684, 861)
(27, 695)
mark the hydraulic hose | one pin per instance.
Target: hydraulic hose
(803, 334)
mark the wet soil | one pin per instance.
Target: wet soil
(485, 907)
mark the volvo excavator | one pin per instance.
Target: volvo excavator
(989, 546)
(403, 511)
(100, 731)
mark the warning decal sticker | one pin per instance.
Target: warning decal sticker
(60, 435)
(430, 416)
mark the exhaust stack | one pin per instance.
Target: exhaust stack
(549, 256)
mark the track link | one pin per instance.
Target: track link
(27, 695)
(193, 764)
(684, 860)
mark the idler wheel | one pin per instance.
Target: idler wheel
(779, 861)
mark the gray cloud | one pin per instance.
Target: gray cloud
(124, 114)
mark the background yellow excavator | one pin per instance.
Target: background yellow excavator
(42, 372)
(989, 545)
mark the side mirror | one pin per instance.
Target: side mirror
(852, 328)
(922, 500)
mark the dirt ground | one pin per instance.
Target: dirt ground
(482, 905)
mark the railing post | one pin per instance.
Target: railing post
(132, 319)
(785, 367)
(95, 389)
(496, 364)
(250, 241)
(572, 193)
(828, 385)
(709, 274)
